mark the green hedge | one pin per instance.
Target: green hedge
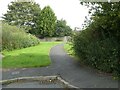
(101, 54)
(16, 38)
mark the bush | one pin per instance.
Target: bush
(100, 53)
(16, 38)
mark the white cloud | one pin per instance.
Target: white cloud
(70, 10)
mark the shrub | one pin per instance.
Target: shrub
(97, 52)
(16, 38)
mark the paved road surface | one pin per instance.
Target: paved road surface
(68, 69)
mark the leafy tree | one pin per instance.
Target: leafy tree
(105, 18)
(23, 14)
(68, 31)
(98, 45)
(62, 29)
(47, 22)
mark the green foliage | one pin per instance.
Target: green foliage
(23, 14)
(47, 22)
(62, 29)
(16, 38)
(69, 48)
(100, 54)
(106, 18)
(0, 35)
(98, 45)
(28, 15)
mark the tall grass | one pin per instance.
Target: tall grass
(15, 38)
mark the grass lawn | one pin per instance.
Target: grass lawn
(36, 56)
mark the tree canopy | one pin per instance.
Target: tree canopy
(23, 14)
(42, 23)
(47, 22)
(98, 44)
(105, 18)
(62, 29)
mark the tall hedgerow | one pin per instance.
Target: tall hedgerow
(16, 38)
(98, 45)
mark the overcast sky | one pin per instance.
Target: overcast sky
(70, 10)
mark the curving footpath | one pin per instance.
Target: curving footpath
(68, 69)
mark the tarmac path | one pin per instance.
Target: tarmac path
(68, 69)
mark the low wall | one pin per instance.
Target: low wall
(50, 39)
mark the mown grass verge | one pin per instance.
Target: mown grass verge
(36, 56)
